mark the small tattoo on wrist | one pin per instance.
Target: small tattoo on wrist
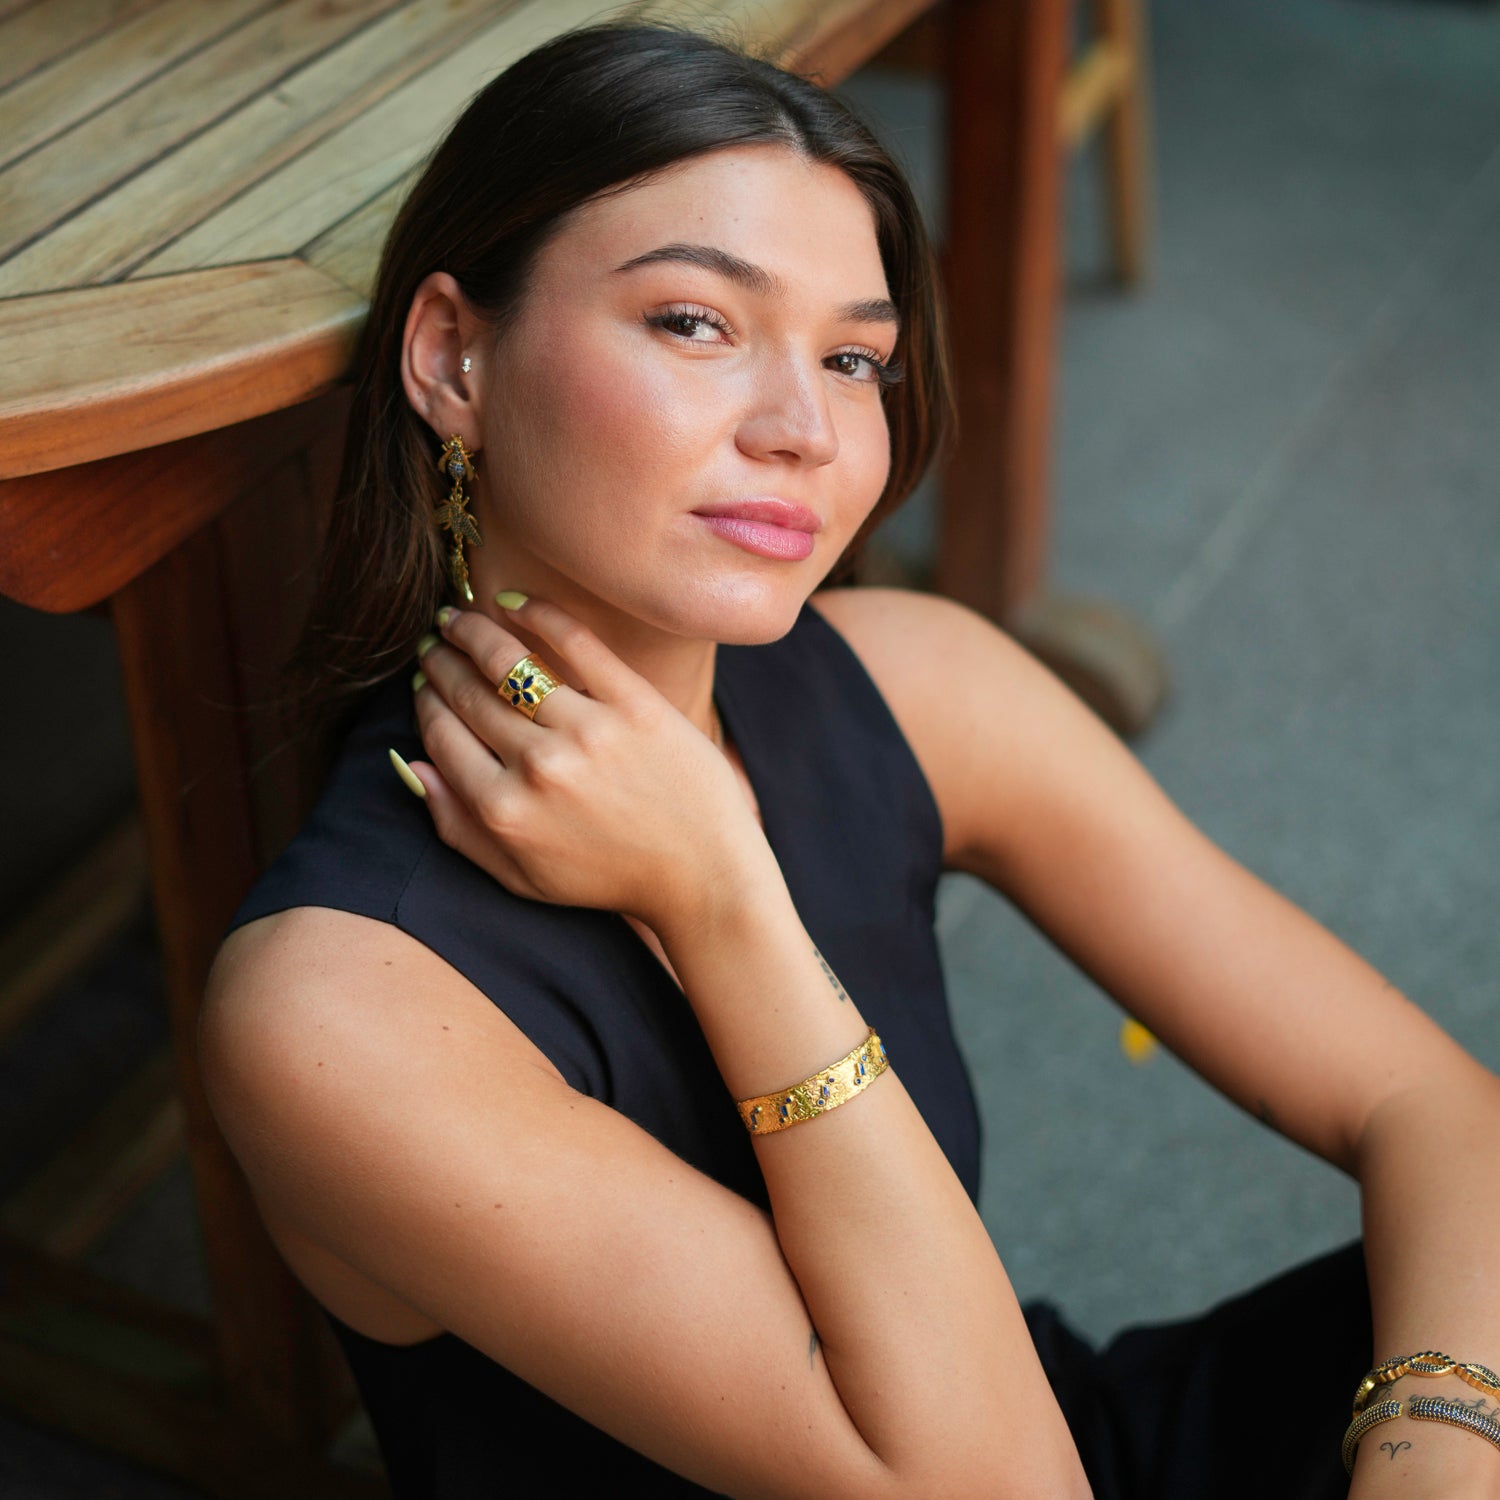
(832, 978)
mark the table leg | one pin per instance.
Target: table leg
(192, 632)
(1004, 64)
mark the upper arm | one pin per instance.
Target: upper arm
(390, 1113)
(1042, 800)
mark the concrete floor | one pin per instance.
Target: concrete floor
(1280, 455)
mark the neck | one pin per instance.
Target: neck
(680, 668)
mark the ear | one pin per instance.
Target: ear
(440, 330)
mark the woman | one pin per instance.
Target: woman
(509, 1063)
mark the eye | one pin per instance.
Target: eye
(868, 368)
(685, 322)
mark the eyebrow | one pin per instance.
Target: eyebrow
(758, 280)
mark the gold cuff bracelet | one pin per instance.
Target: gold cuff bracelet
(825, 1090)
(1423, 1409)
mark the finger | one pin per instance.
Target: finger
(468, 693)
(460, 830)
(595, 669)
(495, 652)
(467, 764)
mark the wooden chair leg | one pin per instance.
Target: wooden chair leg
(1126, 135)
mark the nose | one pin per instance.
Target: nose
(787, 414)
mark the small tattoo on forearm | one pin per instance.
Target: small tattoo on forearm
(812, 1348)
(1395, 1448)
(832, 978)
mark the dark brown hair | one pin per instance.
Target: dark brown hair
(590, 112)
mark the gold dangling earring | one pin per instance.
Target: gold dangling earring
(458, 463)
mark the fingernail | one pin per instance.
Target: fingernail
(510, 599)
(418, 680)
(407, 775)
(445, 614)
(426, 644)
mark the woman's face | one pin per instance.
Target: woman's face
(706, 340)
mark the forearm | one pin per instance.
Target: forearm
(913, 1312)
(1429, 1172)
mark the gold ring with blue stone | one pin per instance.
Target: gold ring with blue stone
(527, 683)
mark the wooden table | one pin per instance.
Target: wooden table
(192, 203)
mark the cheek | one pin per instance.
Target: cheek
(608, 416)
(866, 440)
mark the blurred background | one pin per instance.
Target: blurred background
(1279, 453)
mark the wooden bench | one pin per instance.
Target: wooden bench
(192, 203)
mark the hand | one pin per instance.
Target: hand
(609, 798)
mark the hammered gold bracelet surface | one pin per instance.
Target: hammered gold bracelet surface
(1427, 1362)
(827, 1089)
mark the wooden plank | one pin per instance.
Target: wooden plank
(350, 251)
(112, 369)
(46, 102)
(350, 166)
(33, 32)
(832, 39)
(60, 935)
(102, 1168)
(73, 537)
(113, 236)
(86, 161)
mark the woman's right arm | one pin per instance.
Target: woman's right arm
(863, 1339)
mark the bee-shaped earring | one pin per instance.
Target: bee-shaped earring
(458, 464)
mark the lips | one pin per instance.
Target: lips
(765, 525)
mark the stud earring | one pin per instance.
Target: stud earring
(458, 464)
(467, 365)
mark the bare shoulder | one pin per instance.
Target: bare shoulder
(311, 974)
(891, 629)
(975, 706)
(300, 1003)
(309, 1013)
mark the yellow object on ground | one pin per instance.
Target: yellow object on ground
(1135, 1041)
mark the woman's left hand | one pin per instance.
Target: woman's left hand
(609, 797)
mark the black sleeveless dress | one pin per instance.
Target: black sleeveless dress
(853, 824)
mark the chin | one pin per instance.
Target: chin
(743, 612)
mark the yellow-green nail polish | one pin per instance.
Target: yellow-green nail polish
(445, 614)
(418, 679)
(426, 644)
(406, 773)
(510, 599)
